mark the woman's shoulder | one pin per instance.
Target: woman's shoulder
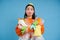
(39, 19)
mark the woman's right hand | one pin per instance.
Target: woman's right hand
(19, 26)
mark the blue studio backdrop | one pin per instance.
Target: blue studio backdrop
(11, 10)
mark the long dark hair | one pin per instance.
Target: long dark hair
(33, 16)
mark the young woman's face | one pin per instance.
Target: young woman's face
(29, 11)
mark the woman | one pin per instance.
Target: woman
(29, 18)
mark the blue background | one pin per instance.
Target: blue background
(11, 10)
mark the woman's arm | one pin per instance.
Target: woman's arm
(41, 22)
(42, 29)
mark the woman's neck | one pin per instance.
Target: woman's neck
(29, 17)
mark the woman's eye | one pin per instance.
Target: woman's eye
(27, 8)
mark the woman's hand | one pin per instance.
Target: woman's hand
(19, 26)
